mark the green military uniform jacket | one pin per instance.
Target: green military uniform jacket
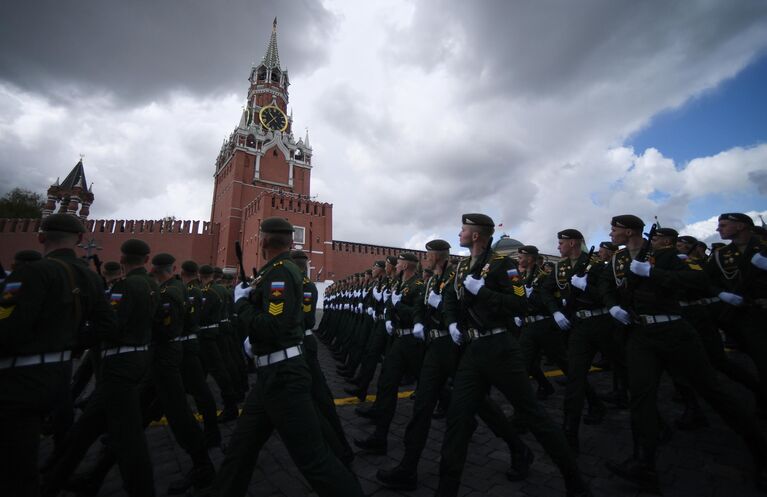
(273, 316)
(500, 299)
(40, 311)
(169, 319)
(730, 270)
(427, 315)
(211, 311)
(401, 314)
(134, 300)
(557, 293)
(193, 307)
(309, 304)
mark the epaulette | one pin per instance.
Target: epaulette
(278, 264)
(419, 282)
(306, 280)
(693, 264)
(497, 257)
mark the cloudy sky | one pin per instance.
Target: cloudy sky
(546, 115)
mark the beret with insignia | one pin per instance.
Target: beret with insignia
(671, 232)
(569, 234)
(737, 216)
(27, 256)
(134, 246)
(189, 267)
(380, 264)
(408, 256)
(206, 269)
(528, 249)
(112, 267)
(62, 222)
(298, 254)
(218, 271)
(163, 259)
(391, 259)
(628, 221)
(688, 239)
(276, 225)
(438, 245)
(477, 220)
(608, 246)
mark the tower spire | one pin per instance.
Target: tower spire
(272, 56)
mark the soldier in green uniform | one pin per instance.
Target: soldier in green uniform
(738, 275)
(228, 344)
(486, 294)
(192, 370)
(281, 398)
(439, 364)
(114, 406)
(644, 296)
(404, 357)
(23, 257)
(210, 344)
(372, 279)
(323, 398)
(43, 305)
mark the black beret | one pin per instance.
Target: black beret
(368, 271)
(528, 249)
(438, 245)
(298, 254)
(190, 267)
(276, 225)
(62, 222)
(218, 271)
(112, 267)
(737, 216)
(163, 259)
(688, 239)
(134, 246)
(628, 221)
(477, 220)
(27, 256)
(608, 246)
(701, 244)
(380, 264)
(667, 232)
(391, 259)
(408, 256)
(206, 269)
(570, 234)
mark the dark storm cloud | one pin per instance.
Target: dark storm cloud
(139, 49)
(534, 48)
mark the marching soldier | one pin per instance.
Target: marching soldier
(281, 398)
(486, 294)
(644, 296)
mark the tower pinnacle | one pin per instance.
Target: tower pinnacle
(272, 56)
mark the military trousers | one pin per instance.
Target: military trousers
(373, 350)
(114, 409)
(281, 400)
(439, 364)
(27, 394)
(748, 329)
(193, 376)
(676, 347)
(234, 358)
(495, 361)
(213, 362)
(586, 338)
(404, 358)
(326, 407)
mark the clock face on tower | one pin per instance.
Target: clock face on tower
(273, 118)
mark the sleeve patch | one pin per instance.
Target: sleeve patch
(307, 308)
(10, 289)
(115, 299)
(6, 311)
(513, 274)
(307, 297)
(277, 289)
(695, 267)
(519, 291)
(276, 309)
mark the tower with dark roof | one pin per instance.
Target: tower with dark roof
(71, 196)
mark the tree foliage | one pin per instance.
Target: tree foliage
(20, 203)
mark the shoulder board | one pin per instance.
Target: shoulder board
(497, 257)
(306, 280)
(278, 264)
(419, 282)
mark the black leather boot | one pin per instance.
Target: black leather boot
(638, 469)
(398, 478)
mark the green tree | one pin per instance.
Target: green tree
(19, 203)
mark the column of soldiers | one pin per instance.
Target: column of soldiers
(648, 305)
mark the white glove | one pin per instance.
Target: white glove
(434, 299)
(759, 261)
(360, 307)
(395, 298)
(377, 294)
(347, 307)
(641, 268)
(528, 291)
(241, 293)
(371, 312)
(562, 321)
(731, 298)
(247, 348)
(579, 282)
(386, 295)
(455, 334)
(418, 331)
(518, 321)
(684, 257)
(620, 314)
(389, 328)
(473, 284)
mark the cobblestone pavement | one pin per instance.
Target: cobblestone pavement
(703, 463)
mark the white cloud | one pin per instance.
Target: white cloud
(705, 230)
